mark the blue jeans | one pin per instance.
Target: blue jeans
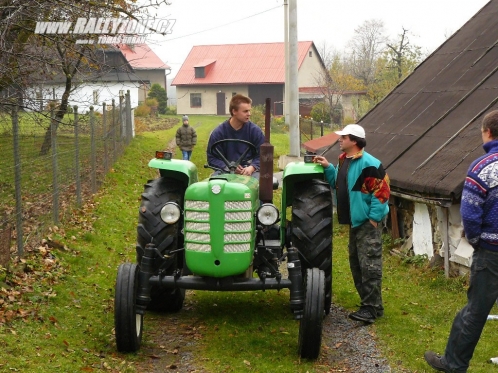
(469, 322)
(186, 154)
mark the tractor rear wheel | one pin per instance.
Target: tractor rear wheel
(310, 327)
(128, 324)
(312, 229)
(166, 237)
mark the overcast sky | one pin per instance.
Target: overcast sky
(205, 22)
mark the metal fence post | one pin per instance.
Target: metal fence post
(129, 129)
(77, 156)
(114, 131)
(122, 123)
(104, 130)
(17, 177)
(92, 151)
(55, 201)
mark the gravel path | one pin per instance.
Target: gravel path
(347, 346)
(350, 344)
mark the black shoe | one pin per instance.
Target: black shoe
(435, 361)
(362, 315)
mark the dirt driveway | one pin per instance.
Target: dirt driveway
(347, 346)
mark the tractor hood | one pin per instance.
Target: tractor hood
(219, 225)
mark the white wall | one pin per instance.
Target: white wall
(310, 70)
(83, 96)
(208, 98)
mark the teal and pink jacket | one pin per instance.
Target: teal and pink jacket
(368, 187)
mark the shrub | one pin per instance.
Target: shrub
(337, 114)
(258, 115)
(159, 93)
(321, 112)
(171, 110)
(142, 111)
(151, 102)
(348, 120)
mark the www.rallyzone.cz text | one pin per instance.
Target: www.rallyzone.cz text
(106, 26)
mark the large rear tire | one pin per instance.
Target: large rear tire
(167, 237)
(128, 324)
(310, 327)
(312, 229)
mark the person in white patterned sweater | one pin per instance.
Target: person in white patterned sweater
(479, 210)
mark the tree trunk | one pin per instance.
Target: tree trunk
(59, 115)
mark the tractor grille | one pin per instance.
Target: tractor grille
(237, 226)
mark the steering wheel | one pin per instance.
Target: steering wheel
(231, 165)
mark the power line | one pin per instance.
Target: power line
(226, 24)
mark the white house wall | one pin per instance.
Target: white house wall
(310, 69)
(83, 96)
(422, 231)
(208, 98)
(460, 250)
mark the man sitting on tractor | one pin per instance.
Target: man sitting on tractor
(237, 127)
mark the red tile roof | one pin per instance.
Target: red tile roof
(322, 143)
(141, 57)
(239, 63)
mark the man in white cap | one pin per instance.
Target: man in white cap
(362, 191)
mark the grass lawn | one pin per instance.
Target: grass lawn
(57, 303)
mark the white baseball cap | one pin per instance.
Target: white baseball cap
(352, 129)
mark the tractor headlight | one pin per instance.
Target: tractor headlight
(170, 213)
(267, 214)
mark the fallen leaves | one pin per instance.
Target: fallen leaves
(39, 268)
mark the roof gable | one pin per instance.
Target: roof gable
(141, 57)
(239, 63)
(426, 131)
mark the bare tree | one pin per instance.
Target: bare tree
(404, 57)
(366, 46)
(335, 81)
(28, 58)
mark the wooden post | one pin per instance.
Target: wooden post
(394, 218)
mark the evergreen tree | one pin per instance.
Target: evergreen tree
(159, 93)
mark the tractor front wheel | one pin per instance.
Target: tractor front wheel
(128, 323)
(310, 327)
(312, 229)
(167, 238)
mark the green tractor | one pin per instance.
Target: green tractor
(224, 234)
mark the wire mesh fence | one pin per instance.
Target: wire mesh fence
(48, 166)
(311, 129)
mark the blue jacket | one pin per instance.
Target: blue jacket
(368, 187)
(479, 206)
(232, 151)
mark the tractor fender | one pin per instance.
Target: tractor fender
(296, 172)
(178, 169)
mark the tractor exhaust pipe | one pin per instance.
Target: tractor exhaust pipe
(266, 161)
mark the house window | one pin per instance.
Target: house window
(95, 97)
(310, 53)
(195, 100)
(200, 72)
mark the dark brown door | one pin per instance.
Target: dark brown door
(220, 103)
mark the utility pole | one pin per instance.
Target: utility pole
(293, 105)
(286, 45)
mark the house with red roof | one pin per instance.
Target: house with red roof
(121, 68)
(212, 74)
(148, 68)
